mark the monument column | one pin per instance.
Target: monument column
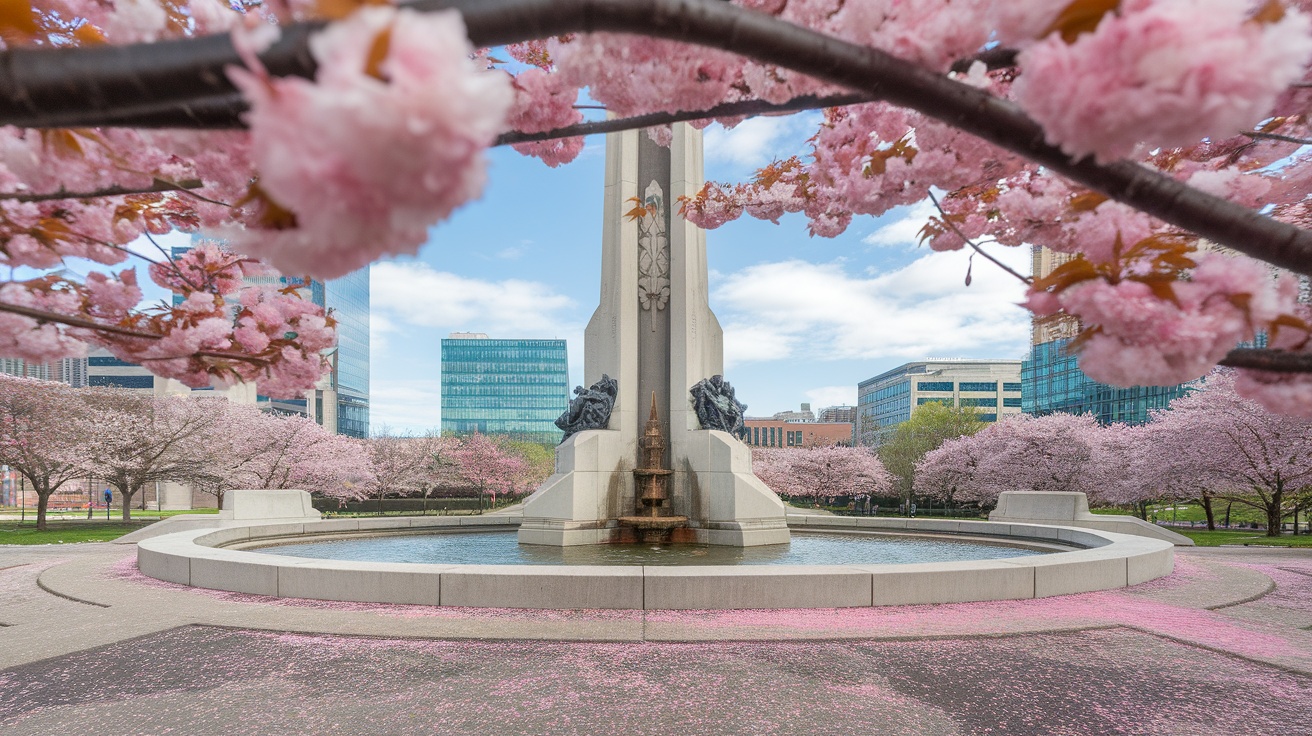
(654, 333)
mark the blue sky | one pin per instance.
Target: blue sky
(805, 318)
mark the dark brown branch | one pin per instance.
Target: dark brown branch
(729, 109)
(159, 185)
(1276, 361)
(42, 316)
(998, 57)
(51, 87)
(1278, 137)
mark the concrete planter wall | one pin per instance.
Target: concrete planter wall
(213, 559)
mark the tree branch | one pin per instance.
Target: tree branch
(728, 109)
(114, 190)
(948, 221)
(1278, 137)
(1276, 361)
(88, 86)
(42, 316)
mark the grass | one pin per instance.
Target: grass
(1205, 538)
(64, 532)
(114, 513)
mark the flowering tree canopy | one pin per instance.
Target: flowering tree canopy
(818, 472)
(319, 136)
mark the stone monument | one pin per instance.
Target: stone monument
(654, 335)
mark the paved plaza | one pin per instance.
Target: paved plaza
(89, 646)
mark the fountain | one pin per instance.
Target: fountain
(653, 523)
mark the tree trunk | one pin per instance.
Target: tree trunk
(1142, 509)
(1207, 509)
(42, 500)
(1273, 516)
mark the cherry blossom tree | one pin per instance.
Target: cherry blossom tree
(402, 464)
(929, 427)
(485, 465)
(318, 137)
(294, 452)
(1237, 450)
(1056, 452)
(824, 471)
(40, 436)
(133, 439)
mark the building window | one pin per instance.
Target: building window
(934, 386)
(946, 400)
(989, 402)
(988, 417)
(123, 381)
(1011, 403)
(1011, 387)
(979, 386)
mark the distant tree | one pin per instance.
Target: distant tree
(400, 463)
(825, 471)
(40, 436)
(1231, 443)
(1020, 453)
(489, 468)
(137, 439)
(929, 427)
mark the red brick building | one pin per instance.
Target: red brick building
(775, 433)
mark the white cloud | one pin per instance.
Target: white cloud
(406, 405)
(753, 143)
(417, 294)
(904, 231)
(826, 396)
(800, 310)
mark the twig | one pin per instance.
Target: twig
(947, 221)
(729, 109)
(114, 190)
(1278, 137)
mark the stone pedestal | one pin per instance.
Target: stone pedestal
(655, 334)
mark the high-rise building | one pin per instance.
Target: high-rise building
(340, 401)
(1051, 379)
(505, 387)
(838, 414)
(992, 387)
(72, 371)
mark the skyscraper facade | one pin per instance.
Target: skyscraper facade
(1051, 379)
(515, 388)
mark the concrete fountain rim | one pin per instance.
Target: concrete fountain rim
(1107, 561)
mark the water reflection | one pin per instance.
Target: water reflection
(502, 548)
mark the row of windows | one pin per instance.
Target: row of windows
(934, 386)
(122, 381)
(903, 387)
(551, 403)
(771, 437)
(108, 360)
(1054, 383)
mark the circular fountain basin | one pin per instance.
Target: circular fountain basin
(806, 548)
(222, 559)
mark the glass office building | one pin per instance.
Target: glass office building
(348, 298)
(515, 388)
(991, 387)
(1051, 382)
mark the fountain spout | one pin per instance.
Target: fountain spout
(652, 521)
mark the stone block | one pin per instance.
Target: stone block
(366, 582)
(797, 519)
(251, 505)
(434, 522)
(846, 522)
(876, 523)
(221, 537)
(934, 525)
(164, 565)
(1150, 565)
(331, 526)
(384, 523)
(273, 531)
(953, 582)
(1075, 572)
(743, 537)
(533, 586)
(792, 586)
(1056, 506)
(484, 521)
(237, 574)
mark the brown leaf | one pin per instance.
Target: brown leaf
(1271, 12)
(1086, 202)
(378, 50)
(18, 21)
(1080, 17)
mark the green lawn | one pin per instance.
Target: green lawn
(1205, 538)
(1239, 513)
(64, 532)
(114, 513)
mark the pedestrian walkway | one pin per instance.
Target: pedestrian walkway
(88, 645)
